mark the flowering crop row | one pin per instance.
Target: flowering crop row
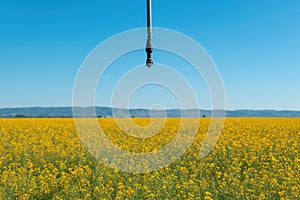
(254, 158)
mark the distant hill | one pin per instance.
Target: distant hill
(144, 113)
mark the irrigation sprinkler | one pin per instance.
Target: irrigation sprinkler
(149, 46)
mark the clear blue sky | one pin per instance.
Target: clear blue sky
(255, 44)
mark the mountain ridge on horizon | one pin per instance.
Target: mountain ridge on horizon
(102, 111)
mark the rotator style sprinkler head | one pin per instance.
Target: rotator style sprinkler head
(149, 46)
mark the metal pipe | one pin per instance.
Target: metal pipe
(149, 16)
(149, 46)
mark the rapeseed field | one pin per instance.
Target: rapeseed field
(254, 158)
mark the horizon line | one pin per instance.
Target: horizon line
(141, 108)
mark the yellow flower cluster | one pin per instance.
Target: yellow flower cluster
(254, 158)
